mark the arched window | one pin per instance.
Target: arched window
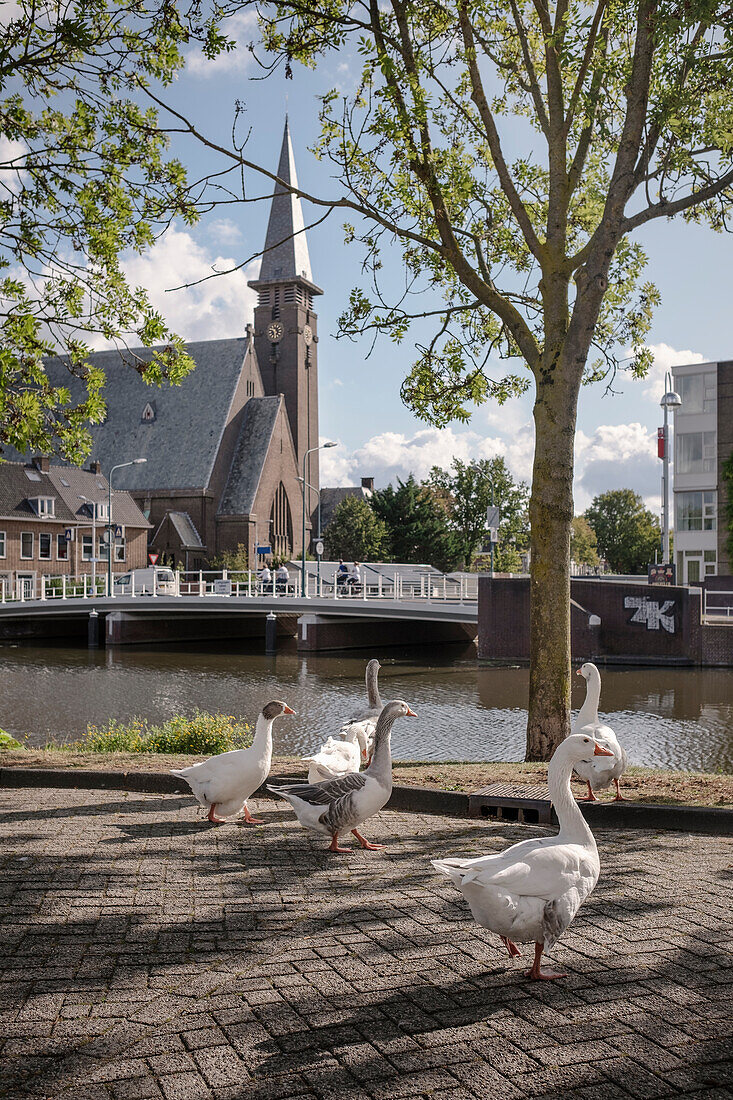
(281, 524)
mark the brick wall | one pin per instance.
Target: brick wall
(55, 566)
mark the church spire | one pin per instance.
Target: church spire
(285, 256)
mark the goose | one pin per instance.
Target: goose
(223, 783)
(598, 774)
(336, 758)
(531, 891)
(338, 805)
(364, 722)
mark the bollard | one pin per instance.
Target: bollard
(271, 634)
(93, 630)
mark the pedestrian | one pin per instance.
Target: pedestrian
(265, 577)
(282, 577)
(355, 576)
(342, 574)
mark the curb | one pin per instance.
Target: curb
(422, 800)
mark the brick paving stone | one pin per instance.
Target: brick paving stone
(147, 956)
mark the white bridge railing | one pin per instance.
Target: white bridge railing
(225, 583)
(717, 605)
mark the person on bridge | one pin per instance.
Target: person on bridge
(355, 576)
(342, 574)
(265, 577)
(282, 577)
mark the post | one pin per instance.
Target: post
(665, 492)
(109, 534)
(63, 587)
(43, 586)
(93, 630)
(271, 634)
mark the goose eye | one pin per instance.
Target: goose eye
(586, 740)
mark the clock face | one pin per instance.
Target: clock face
(308, 334)
(275, 332)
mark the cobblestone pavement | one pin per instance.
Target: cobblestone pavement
(147, 954)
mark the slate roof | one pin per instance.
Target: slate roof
(16, 488)
(250, 453)
(186, 530)
(182, 442)
(286, 248)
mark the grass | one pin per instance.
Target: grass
(202, 734)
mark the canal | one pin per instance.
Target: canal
(678, 718)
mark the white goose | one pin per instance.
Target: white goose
(223, 783)
(338, 805)
(364, 722)
(531, 891)
(600, 773)
(337, 758)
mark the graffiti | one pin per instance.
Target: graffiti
(653, 613)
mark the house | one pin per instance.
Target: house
(54, 522)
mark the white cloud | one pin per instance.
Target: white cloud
(12, 155)
(616, 456)
(242, 28)
(224, 231)
(214, 309)
(665, 357)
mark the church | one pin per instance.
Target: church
(225, 450)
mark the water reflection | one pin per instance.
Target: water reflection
(669, 717)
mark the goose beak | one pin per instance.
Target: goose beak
(411, 713)
(600, 751)
(288, 710)
(578, 672)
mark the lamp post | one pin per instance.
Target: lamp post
(321, 446)
(119, 466)
(670, 400)
(93, 506)
(318, 535)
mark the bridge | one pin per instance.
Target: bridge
(316, 622)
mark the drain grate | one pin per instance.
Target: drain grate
(509, 802)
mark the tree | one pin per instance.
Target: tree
(469, 488)
(84, 176)
(628, 534)
(583, 542)
(623, 113)
(355, 533)
(236, 561)
(416, 523)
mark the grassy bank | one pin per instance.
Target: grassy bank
(639, 784)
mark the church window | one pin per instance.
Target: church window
(148, 413)
(264, 297)
(281, 524)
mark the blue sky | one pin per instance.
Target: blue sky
(360, 405)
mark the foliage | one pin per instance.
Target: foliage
(202, 733)
(417, 525)
(236, 561)
(7, 741)
(628, 534)
(583, 542)
(355, 533)
(726, 473)
(468, 489)
(84, 177)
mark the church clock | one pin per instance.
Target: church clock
(275, 332)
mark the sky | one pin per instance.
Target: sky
(360, 406)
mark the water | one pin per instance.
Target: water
(680, 718)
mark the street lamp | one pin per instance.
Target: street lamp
(318, 535)
(321, 446)
(670, 400)
(110, 541)
(94, 540)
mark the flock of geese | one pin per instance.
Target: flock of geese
(529, 893)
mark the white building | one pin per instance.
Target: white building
(695, 480)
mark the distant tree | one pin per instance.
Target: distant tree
(583, 542)
(355, 533)
(628, 534)
(235, 560)
(417, 524)
(469, 488)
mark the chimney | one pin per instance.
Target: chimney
(42, 463)
(368, 484)
(95, 467)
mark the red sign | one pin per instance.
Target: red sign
(660, 442)
(153, 558)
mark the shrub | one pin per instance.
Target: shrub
(202, 733)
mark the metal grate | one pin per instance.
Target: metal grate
(509, 802)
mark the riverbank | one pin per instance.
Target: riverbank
(640, 785)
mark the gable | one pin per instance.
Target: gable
(250, 454)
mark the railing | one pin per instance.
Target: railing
(431, 588)
(717, 604)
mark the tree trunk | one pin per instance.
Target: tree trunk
(551, 513)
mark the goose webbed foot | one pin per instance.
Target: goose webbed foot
(510, 946)
(618, 797)
(252, 820)
(590, 797)
(537, 974)
(334, 845)
(365, 843)
(211, 816)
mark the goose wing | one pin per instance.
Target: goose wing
(534, 868)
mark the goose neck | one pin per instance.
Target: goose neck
(588, 713)
(573, 825)
(262, 740)
(382, 756)
(372, 687)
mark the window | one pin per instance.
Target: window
(43, 506)
(102, 511)
(62, 548)
(31, 474)
(86, 548)
(65, 482)
(710, 560)
(698, 392)
(3, 552)
(696, 511)
(44, 546)
(120, 550)
(695, 453)
(26, 545)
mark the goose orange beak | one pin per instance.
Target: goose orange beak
(288, 710)
(578, 672)
(600, 751)
(411, 713)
